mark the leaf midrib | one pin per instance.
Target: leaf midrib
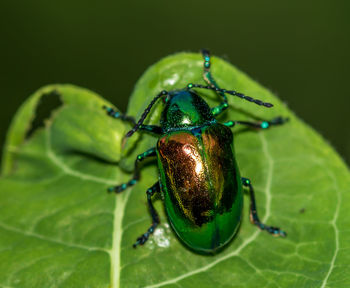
(118, 214)
(121, 201)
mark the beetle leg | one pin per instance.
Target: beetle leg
(212, 85)
(120, 188)
(151, 128)
(210, 81)
(275, 231)
(117, 115)
(155, 218)
(259, 124)
(137, 126)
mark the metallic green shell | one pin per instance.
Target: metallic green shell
(185, 109)
(201, 185)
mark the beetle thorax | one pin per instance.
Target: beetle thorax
(185, 109)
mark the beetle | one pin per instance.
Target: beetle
(199, 179)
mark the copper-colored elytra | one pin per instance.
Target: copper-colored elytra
(186, 179)
(195, 180)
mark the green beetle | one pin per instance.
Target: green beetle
(198, 175)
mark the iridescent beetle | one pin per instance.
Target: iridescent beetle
(198, 176)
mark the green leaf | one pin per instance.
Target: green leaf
(59, 227)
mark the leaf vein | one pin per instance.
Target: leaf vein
(336, 231)
(49, 239)
(66, 169)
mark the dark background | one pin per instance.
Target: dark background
(298, 49)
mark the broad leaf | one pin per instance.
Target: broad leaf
(59, 227)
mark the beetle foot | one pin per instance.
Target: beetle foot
(275, 231)
(111, 112)
(275, 121)
(141, 240)
(278, 120)
(117, 189)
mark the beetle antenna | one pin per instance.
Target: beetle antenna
(233, 93)
(207, 74)
(145, 113)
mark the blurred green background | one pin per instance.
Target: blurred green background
(298, 49)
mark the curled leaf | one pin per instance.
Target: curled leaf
(59, 227)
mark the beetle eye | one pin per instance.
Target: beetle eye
(166, 99)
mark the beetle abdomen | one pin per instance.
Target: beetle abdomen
(201, 185)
